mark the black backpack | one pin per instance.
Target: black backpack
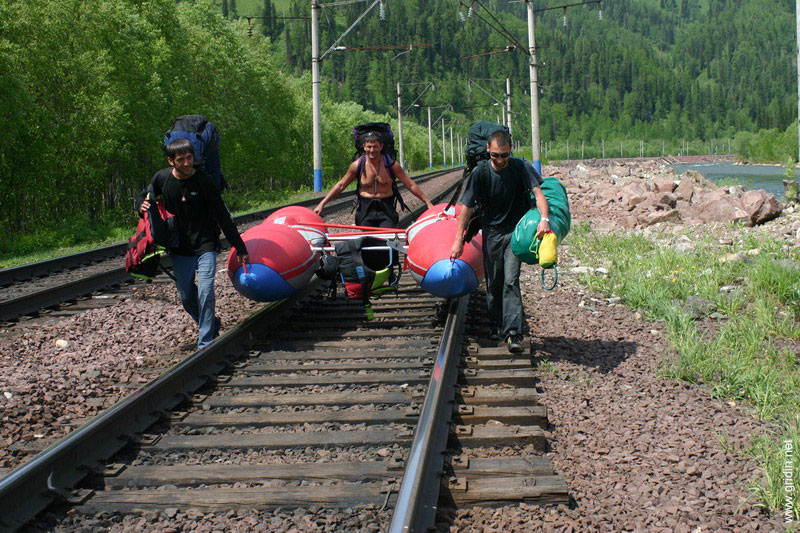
(388, 154)
(475, 152)
(204, 136)
(357, 269)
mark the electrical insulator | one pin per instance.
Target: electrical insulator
(564, 18)
(600, 14)
(250, 31)
(470, 12)
(462, 16)
(382, 11)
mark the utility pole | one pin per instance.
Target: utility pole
(430, 140)
(444, 149)
(508, 103)
(400, 126)
(535, 149)
(797, 20)
(315, 85)
(452, 152)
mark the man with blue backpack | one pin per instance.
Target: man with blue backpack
(500, 189)
(376, 171)
(195, 214)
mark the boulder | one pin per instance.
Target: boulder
(658, 201)
(684, 190)
(664, 185)
(673, 215)
(633, 201)
(633, 189)
(703, 197)
(723, 209)
(761, 206)
(620, 171)
(598, 174)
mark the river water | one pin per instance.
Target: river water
(751, 177)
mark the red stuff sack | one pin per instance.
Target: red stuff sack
(142, 258)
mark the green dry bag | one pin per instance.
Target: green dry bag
(524, 243)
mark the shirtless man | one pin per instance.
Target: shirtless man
(376, 206)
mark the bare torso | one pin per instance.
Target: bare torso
(375, 179)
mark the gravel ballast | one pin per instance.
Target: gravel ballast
(639, 452)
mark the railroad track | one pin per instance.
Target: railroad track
(78, 275)
(319, 417)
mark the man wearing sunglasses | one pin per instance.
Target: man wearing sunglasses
(502, 186)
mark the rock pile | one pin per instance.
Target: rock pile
(640, 194)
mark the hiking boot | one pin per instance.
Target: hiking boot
(217, 326)
(494, 334)
(514, 343)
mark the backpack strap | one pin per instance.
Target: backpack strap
(398, 198)
(362, 159)
(388, 162)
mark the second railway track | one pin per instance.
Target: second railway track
(30, 288)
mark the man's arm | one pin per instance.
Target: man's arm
(142, 203)
(544, 210)
(339, 188)
(223, 217)
(458, 242)
(409, 183)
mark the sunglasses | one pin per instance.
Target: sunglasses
(502, 155)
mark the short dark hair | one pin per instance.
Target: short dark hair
(178, 146)
(371, 136)
(500, 138)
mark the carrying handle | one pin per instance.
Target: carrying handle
(554, 268)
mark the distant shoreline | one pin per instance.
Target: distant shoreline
(668, 159)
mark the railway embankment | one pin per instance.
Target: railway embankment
(667, 356)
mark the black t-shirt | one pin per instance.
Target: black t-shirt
(506, 192)
(199, 212)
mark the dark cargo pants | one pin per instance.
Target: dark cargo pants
(501, 268)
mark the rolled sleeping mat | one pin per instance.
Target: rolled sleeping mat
(524, 243)
(281, 263)
(430, 264)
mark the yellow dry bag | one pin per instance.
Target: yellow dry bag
(548, 250)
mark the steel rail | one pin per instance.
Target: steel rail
(30, 303)
(418, 497)
(50, 475)
(41, 268)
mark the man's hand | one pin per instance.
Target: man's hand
(457, 249)
(244, 259)
(542, 228)
(145, 206)
(429, 204)
(318, 209)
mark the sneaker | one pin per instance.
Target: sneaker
(494, 334)
(514, 343)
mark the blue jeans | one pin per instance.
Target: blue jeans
(503, 295)
(198, 298)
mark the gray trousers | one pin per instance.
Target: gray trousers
(503, 295)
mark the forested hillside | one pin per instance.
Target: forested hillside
(88, 89)
(668, 69)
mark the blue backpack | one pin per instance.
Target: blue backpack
(204, 136)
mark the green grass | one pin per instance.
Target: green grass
(749, 354)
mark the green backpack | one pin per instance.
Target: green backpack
(524, 243)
